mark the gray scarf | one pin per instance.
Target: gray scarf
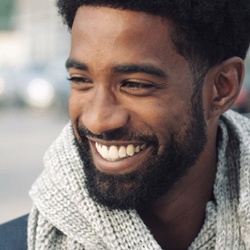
(65, 217)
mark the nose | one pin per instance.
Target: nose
(102, 112)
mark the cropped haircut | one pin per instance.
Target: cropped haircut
(206, 32)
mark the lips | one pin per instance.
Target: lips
(115, 153)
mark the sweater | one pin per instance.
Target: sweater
(65, 217)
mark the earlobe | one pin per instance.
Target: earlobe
(228, 78)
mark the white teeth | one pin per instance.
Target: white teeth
(114, 153)
(104, 151)
(137, 149)
(130, 150)
(122, 152)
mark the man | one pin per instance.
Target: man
(150, 159)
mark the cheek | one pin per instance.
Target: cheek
(168, 120)
(75, 107)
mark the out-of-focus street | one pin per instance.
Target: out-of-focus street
(25, 135)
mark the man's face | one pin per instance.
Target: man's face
(138, 122)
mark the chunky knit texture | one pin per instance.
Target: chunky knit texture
(65, 217)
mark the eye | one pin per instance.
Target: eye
(137, 88)
(80, 82)
(78, 79)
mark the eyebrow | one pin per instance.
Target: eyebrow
(137, 68)
(71, 63)
(126, 68)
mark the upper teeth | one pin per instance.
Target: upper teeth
(114, 153)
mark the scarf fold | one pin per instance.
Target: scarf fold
(65, 217)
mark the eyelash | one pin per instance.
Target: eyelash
(127, 86)
(78, 79)
(128, 83)
(136, 85)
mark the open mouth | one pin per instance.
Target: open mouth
(116, 153)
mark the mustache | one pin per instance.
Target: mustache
(121, 134)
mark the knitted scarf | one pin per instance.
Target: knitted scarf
(65, 217)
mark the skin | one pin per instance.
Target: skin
(105, 101)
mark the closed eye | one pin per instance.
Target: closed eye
(78, 79)
(136, 85)
(80, 83)
(137, 88)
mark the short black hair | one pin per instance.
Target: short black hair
(206, 32)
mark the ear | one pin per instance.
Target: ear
(227, 79)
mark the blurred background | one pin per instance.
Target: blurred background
(34, 45)
(34, 95)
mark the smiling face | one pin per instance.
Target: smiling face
(138, 122)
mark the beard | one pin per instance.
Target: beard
(155, 178)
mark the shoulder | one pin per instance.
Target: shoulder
(13, 234)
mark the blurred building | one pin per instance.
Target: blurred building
(38, 34)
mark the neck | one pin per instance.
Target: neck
(176, 218)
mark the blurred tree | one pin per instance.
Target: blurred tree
(6, 13)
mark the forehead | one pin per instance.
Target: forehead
(107, 27)
(116, 19)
